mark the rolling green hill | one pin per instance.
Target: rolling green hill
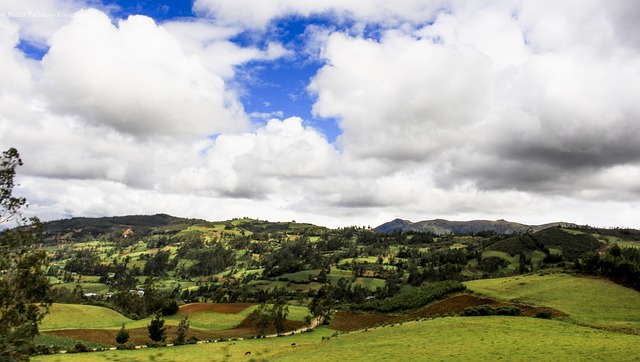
(589, 301)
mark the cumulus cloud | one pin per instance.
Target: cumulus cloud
(37, 20)
(489, 96)
(255, 165)
(401, 98)
(135, 78)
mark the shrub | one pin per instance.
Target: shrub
(126, 346)
(487, 310)
(544, 314)
(157, 330)
(511, 311)
(80, 347)
(122, 336)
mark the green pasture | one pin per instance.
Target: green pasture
(442, 339)
(369, 260)
(586, 300)
(297, 313)
(74, 316)
(371, 283)
(208, 321)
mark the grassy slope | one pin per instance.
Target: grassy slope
(451, 339)
(589, 301)
(67, 316)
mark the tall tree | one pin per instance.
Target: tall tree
(181, 331)
(261, 320)
(157, 330)
(279, 314)
(24, 288)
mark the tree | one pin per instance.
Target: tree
(181, 331)
(157, 330)
(122, 336)
(321, 304)
(261, 320)
(279, 314)
(24, 287)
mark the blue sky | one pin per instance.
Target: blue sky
(336, 113)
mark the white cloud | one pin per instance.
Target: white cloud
(255, 165)
(401, 98)
(36, 19)
(136, 79)
(522, 110)
(209, 42)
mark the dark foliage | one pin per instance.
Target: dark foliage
(487, 310)
(157, 330)
(413, 298)
(620, 264)
(572, 246)
(122, 336)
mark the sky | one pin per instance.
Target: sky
(332, 112)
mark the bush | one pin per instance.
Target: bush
(544, 314)
(126, 346)
(170, 308)
(122, 336)
(79, 347)
(510, 311)
(487, 310)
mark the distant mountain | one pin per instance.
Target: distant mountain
(446, 227)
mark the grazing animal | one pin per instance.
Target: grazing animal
(293, 344)
(248, 353)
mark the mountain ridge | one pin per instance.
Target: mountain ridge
(449, 227)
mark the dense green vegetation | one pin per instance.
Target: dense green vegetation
(143, 266)
(412, 298)
(140, 265)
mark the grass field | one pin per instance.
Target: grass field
(450, 339)
(591, 301)
(67, 316)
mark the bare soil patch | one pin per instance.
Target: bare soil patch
(351, 321)
(229, 308)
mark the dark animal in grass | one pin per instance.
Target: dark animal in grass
(248, 353)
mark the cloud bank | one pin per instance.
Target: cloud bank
(522, 110)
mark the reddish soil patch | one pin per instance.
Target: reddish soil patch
(229, 308)
(454, 305)
(351, 321)
(457, 303)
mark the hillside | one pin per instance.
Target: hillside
(446, 227)
(554, 241)
(139, 265)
